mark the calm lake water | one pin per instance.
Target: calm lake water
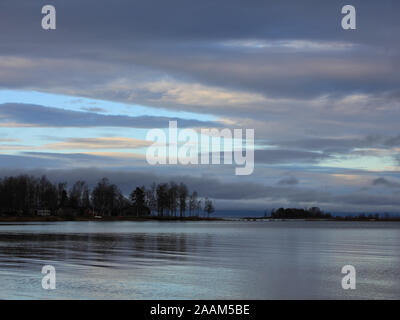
(200, 260)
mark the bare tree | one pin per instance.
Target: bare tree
(162, 199)
(173, 198)
(193, 202)
(208, 207)
(105, 197)
(151, 198)
(182, 196)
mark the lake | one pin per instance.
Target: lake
(200, 260)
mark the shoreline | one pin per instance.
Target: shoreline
(339, 219)
(108, 219)
(169, 219)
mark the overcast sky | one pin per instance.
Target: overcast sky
(77, 102)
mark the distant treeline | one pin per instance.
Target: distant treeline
(317, 213)
(291, 213)
(28, 196)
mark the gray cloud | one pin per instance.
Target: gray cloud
(14, 114)
(94, 109)
(339, 145)
(386, 183)
(288, 181)
(284, 68)
(283, 156)
(144, 39)
(33, 160)
(271, 67)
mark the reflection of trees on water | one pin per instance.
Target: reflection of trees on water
(121, 250)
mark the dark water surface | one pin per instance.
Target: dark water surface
(200, 260)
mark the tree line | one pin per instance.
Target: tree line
(317, 213)
(293, 213)
(28, 195)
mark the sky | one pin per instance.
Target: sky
(78, 101)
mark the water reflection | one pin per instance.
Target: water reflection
(98, 249)
(227, 260)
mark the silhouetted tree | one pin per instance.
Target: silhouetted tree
(173, 198)
(193, 203)
(76, 195)
(62, 195)
(138, 200)
(199, 206)
(26, 195)
(162, 199)
(105, 197)
(182, 196)
(86, 197)
(208, 207)
(151, 198)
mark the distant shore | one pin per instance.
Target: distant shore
(155, 218)
(322, 219)
(108, 218)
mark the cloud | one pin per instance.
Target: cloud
(126, 180)
(280, 156)
(288, 181)
(34, 160)
(311, 91)
(380, 202)
(173, 92)
(98, 143)
(385, 183)
(8, 140)
(94, 109)
(27, 115)
(280, 49)
(290, 45)
(340, 144)
(287, 78)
